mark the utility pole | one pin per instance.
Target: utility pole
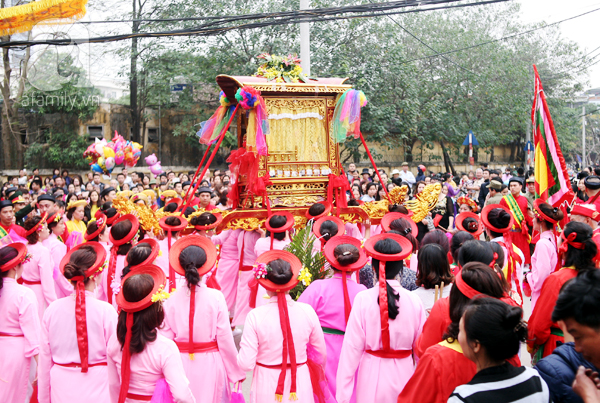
(583, 157)
(305, 40)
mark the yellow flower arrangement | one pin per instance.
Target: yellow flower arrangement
(160, 295)
(281, 68)
(305, 277)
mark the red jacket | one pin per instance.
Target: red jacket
(540, 322)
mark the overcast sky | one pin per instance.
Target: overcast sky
(582, 30)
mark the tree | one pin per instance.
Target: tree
(415, 95)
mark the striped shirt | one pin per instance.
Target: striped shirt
(503, 384)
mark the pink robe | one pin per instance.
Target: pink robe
(543, 263)
(327, 299)
(58, 384)
(160, 359)
(262, 342)
(242, 304)
(108, 285)
(209, 372)
(378, 379)
(18, 316)
(100, 291)
(353, 231)
(58, 250)
(229, 262)
(263, 245)
(40, 268)
(162, 261)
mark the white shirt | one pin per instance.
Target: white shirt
(407, 177)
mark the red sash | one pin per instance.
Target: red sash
(390, 353)
(208, 347)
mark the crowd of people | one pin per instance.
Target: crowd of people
(96, 307)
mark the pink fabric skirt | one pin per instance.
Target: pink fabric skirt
(69, 384)
(14, 370)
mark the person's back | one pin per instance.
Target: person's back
(490, 333)
(59, 350)
(363, 333)
(211, 324)
(503, 384)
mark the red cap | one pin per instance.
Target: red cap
(342, 240)
(14, 262)
(166, 227)
(484, 217)
(289, 257)
(38, 225)
(155, 249)
(193, 240)
(468, 201)
(326, 212)
(389, 217)
(579, 209)
(210, 226)
(339, 223)
(473, 231)
(135, 225)
(100, 257)
(288, 225)
(101, 223)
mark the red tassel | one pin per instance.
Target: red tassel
(81, 322)
(281, 302)
(253, 285)
(347, 304)
(192, 313)
(172, 283)
(291, 348)
(125, 361)
(383, 308)
(112, 263)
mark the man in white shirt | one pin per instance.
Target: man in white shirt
(22, 177)
(128, 179)
(406, 175)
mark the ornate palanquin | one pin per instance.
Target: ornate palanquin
(302, 156)
(301, 151)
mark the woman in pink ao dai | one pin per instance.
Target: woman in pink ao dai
(210, 360)
(281, 374)
(75, 333)
(19, 326)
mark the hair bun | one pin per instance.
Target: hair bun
(70, 271)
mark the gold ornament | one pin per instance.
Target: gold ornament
(398, 194)
(424, 202)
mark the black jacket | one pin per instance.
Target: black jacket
(559, 369)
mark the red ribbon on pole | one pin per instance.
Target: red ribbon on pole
(374, 166)
(196, 174)
(212, 156)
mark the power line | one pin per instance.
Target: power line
(501, 39)
(313, 15)
(429, 47)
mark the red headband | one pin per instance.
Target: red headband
(540, 213)
(569, 240)
(38, 225)
(471, 293)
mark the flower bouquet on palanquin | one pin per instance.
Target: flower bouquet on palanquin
(313, 265)
(281, 69)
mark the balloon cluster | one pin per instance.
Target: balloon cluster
(154, 164)
(103, 156)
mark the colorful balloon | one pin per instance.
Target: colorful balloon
(108, 152)
(110, 163)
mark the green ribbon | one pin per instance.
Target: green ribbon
(329, 330)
